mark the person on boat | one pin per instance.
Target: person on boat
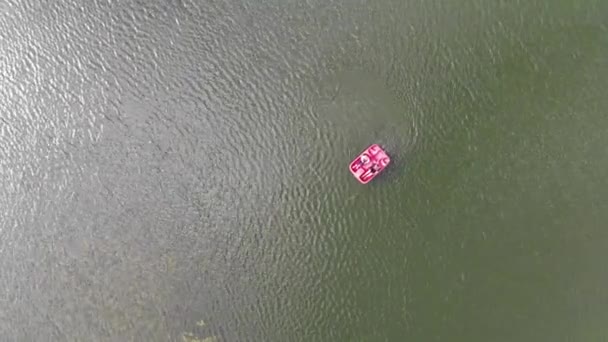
(375, 167)
(364, 159)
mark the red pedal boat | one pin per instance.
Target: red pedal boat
(369, 164)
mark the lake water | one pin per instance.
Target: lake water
(178, 170)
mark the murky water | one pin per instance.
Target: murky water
(178, 171)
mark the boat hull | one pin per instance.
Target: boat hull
(361, 166)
